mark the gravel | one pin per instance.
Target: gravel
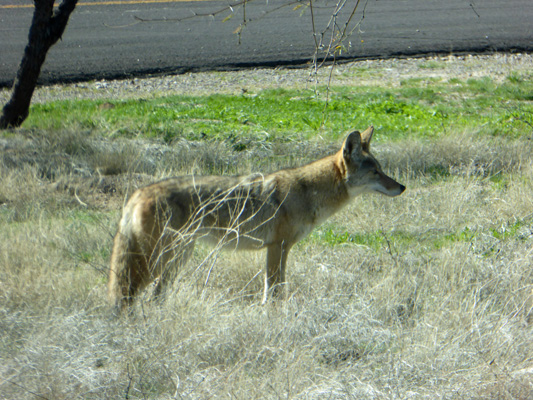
(381, 72)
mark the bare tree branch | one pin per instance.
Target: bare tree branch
(46, 29)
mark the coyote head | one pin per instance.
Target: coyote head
(362, 172)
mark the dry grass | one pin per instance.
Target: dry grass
(441, 307)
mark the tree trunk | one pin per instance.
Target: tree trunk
(46, 29)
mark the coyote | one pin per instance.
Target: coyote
(162, 221)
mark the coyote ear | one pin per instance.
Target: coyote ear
(352, 146)
(366, 137)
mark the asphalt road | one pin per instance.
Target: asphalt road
(121, 38)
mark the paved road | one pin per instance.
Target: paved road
(106, 39)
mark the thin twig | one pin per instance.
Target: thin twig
(23, 388)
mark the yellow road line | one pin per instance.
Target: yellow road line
(110, 2)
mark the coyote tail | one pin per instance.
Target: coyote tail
(129, 269)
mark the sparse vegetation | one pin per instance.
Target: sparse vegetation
(428, 295)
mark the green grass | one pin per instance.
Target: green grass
(419, 109)
(335, 236)
(425, 243)
(433, 65)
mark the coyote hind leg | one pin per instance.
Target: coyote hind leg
(173, 253)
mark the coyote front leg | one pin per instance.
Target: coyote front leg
(276, 262)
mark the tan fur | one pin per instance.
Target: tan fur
(161, 222)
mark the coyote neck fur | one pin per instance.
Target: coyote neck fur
(320, 183)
